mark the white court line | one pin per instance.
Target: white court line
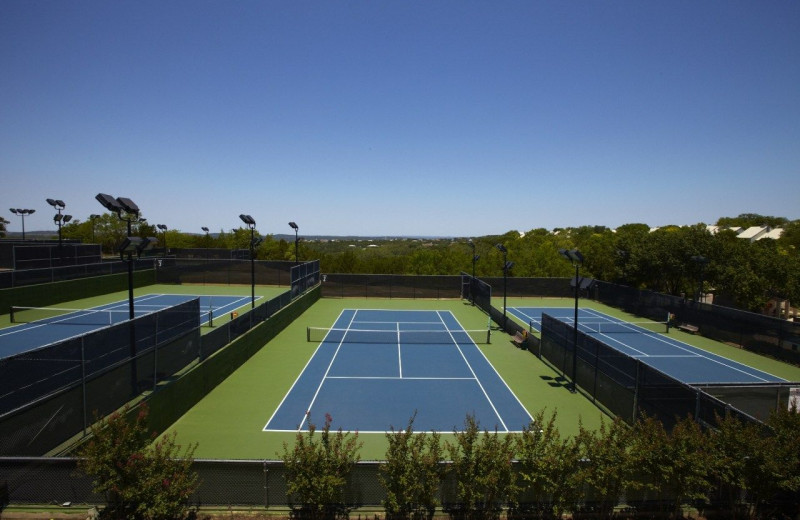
(399, 355)
(695, 352)
(325, 376)
(474, 374)
(394, 378)
(321, 343)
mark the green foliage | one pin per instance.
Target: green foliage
(412, 474)
(743, 272)
(606, 468)
(550, 467)
(738, 450)
(139, 479)
(317, 467)
(746, 220)
(482, 468)
(672, 464)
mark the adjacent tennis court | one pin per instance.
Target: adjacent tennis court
(374, 369)
(42, 326)
(643, 341)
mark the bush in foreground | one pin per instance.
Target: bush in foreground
(139, 479)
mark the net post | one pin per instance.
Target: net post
(210, 317)
(308, 334)
(11, 314)
(489, 336)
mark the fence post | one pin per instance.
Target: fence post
(636, 392)
(83, 385)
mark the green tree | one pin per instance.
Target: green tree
(139, 478)
(782, 465)
(607, 468)
(737, 465)
(675, 464)
(550, 468)
(412, 474)
(317, 467)
(482, 468)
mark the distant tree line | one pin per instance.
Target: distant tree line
(671, 259)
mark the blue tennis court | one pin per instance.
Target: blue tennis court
(375, 368)
(675, 358)
(63, 325)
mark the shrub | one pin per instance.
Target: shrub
(549, 468)
(317, 471)
(412, 473)
(140, 479)
(482, 467)
(606, 469)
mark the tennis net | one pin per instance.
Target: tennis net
(449, 337)
(616, 327)
(62, 316)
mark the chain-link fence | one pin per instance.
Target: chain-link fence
(304, 276)
(755, 332)
(390, 286)
(221, 271)
(27, 277)
(627, 387)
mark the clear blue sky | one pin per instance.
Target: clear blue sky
(394, 117)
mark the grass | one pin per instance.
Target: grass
(228, 422)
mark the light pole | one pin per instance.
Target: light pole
(475, 258)
(163, 228)
(93, 218)
(251, 223)
(296, 240)
(506, 267)
(22, 213)
(574, 256)
(701, 262)
(120, 206)
(59, 205)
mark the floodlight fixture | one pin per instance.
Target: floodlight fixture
(128, 205)
(296, 228)
(251, 223)
(67, 218)
(204, 229)
(94, 216)
(508, 266)
(130, 245)
(22, 213)
(162, 227)
(109, 202)
(57, 217)
(148, 243)
(501, 248)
